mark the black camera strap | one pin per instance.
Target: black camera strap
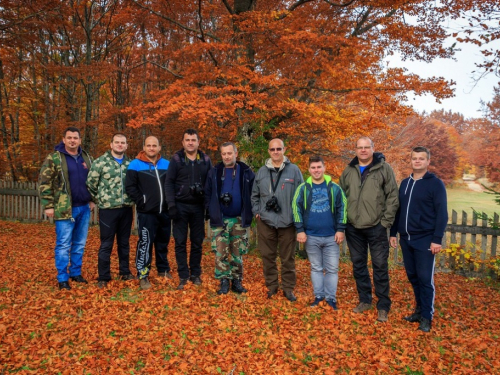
(275, 186)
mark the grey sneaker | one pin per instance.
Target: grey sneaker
(362, 307)
(165, 274)
(144, 283)
(382, 316)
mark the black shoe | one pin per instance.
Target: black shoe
(182, 283)
(332, 304)
(79, 279)
(224, 287)
(425, 325)
(413, 318)
(196, 280)
(290, 296)
(128, 277)
(271, 293)
(64, 285)
(101, 284)
(316, 301)
(237, 287)
(165, 274)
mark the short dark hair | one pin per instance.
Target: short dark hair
(72, 129)
(118, 135)
(422, 149)
(191, 131)
(225, 144)
(316, 159)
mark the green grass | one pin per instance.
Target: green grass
(462, 199)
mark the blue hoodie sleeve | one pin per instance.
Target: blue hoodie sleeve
(441, 210)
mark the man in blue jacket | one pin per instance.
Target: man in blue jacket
(320, 216)
(227, 197)
(421, 222)
(144, 184)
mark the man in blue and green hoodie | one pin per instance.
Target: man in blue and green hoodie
(65, 197)
(320, 217)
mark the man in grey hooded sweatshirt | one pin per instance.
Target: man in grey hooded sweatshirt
(272, 195)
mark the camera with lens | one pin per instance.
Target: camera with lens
(226, 199)
(273, 205)
(196, 190)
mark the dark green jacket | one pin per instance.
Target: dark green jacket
(376, 199)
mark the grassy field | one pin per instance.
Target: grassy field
(462, 199)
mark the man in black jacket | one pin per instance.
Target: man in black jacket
(184, 190)
(227, 197)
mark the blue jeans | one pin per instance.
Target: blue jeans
(324, 254)
(71, 236)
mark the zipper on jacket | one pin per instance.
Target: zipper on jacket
(161, 190)
(121, 179)
(408, 206)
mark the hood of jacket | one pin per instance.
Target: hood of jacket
(378, 157)
(269, 163)
(143, 157)
(60, 147)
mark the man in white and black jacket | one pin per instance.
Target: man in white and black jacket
(421, 222)
(184, 190)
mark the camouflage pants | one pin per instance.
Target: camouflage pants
(229, 241)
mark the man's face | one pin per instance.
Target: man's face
(190, 143)
(276, 151)
(228, 156)
(72, 141)
(152, 147)
(119, 144)
(419, 162)
(364, 150)
(317, 170)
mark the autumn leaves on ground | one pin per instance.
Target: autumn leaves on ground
(123, 330)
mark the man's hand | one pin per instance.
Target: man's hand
(173, 213)
(339, 237)
(257, 216)
(49, 212)
(435, 248)
(92, 206)
(301, 237)
(393, 241)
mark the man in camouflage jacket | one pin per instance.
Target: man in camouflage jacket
(106, 184)
(65, 197)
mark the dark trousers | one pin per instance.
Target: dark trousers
(153, 229)
(419, 265)
(113, 223)
(192, 218)
(274, 241)
(358, 241)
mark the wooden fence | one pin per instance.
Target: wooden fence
(19, 201)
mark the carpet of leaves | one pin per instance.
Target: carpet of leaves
(122, 330)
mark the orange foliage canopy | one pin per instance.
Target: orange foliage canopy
(121, 330)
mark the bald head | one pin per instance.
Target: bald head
(152, 148)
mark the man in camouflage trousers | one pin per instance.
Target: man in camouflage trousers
(227, 198)
(65, 197)
(106, 184)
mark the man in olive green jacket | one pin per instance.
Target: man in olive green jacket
(106, 184)
(372, 201)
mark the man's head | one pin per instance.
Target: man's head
(190, 141)
(152, 147)
(364, 150)
(72, 139)
(277, 151)
(420, 159)
(229, 152)
(317, 169)
(118, 145)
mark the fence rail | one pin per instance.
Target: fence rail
(20, 201)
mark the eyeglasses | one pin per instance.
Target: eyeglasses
(364, 147)
(276, 149)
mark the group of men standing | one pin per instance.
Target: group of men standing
(187, 190)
